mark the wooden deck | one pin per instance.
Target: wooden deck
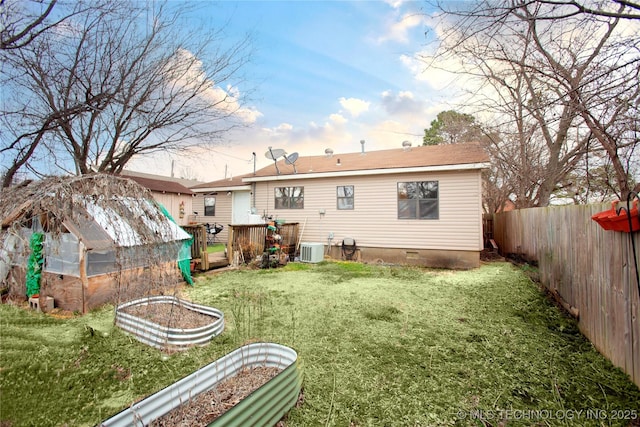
(213, 260)
(199, 251)
(218, 260)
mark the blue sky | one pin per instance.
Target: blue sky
(325, 74)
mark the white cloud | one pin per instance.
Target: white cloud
(337, 118)
(190, 75)
(391, 133)
(437, 72)
(282, 128)
(398, 30)
(354, 106)
(394, 3)
(332, 128)
(228, 101)
(401, 103)
(249, 114)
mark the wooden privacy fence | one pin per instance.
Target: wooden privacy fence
(591, 269)
(247, 241)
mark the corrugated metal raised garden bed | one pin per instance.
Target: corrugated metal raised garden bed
(263, 406)
(159, 321)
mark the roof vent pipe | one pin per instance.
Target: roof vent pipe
(362, 143)
(328, 152)
(406, 145)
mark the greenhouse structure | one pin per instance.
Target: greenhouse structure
(86, 241)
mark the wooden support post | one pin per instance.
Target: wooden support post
(84, 281)
(204, 254)
(230, 248)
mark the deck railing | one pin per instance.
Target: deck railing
(247, 241)
(199, 246)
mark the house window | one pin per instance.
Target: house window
(418, 200)
(209, 206)
(289, 198)
(345, 197)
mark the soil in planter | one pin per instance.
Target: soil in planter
(206, 407)
(170, 315)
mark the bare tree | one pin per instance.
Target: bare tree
(23, 21)
(602, 83)
(575, 78)
(552, 10)
(562, 9)
(118, 82)
(625, 9)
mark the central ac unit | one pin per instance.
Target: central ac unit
(311, 252)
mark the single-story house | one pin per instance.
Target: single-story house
(172, 193)
(411, 205)
(86, 241)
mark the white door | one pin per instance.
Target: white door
(241, 207)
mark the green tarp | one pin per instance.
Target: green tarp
(184, 256)
(34, 265)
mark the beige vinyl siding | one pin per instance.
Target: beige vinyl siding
(172, 201)
(223, 212)
(374, 220)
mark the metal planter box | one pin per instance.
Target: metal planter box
(263, 407)
(165, 338)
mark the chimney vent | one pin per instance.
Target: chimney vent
(328, 152)
(362, 143)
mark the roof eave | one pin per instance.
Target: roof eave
(389, 171)
(227, 188)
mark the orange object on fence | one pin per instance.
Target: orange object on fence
(618, 219)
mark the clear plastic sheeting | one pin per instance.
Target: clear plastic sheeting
(167, 231)
(114, 260)
(118, 229)
(7, 251)
(14, 249)
(62, 254)
(101, 262)
(121, 230)
(17, 246)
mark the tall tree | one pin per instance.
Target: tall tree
(21, 23)
(451, 127)
(602, 83)
(119, 82)
(557, 81)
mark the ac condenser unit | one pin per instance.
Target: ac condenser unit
(311, 252)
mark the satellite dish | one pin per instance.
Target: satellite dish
(291, 158)
(274, 154)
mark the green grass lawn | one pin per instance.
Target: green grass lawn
(218, 247)
(380, 346)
